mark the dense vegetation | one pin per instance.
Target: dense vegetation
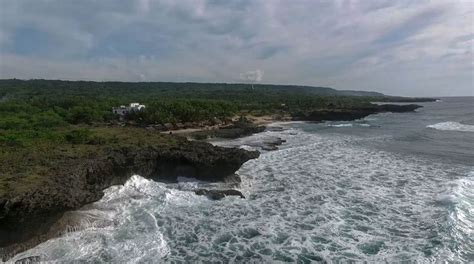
(59, 110)
(61, 144)
(48, 124)
(64, 111)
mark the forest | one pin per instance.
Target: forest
(63, 111)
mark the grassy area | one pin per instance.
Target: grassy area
(28, 165)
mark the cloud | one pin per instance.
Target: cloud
(343, 44)
(410, 27)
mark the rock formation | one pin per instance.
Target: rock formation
(219, 194)
(352, 113)
(74, 183)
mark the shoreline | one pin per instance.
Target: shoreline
(255, 124)
(146, 162)
(34, 215)
(255, 120)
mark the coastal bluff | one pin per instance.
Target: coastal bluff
(349, 114)
(68, 183)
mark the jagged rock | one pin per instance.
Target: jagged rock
(236, 130)
(219, 194)
(75, 182)
(270, 145)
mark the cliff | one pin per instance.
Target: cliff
(27, 213)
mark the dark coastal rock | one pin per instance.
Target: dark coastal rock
(397, 108)
(275, 142)
(203, 162)
(270, 145)
(74, 183)
(237, 129)
(352, 113)
(332, 115)
(218, 194)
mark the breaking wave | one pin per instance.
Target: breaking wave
(453, 126)
(341, 125)
(355, 124)
(463, 215)
(120, 228)
(320, 197)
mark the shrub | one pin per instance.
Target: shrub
(79, 136)
(11, 141)
(13, 122)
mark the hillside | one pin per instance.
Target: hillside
(23, 88)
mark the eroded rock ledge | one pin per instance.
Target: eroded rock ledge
(350, 114)
(73, 183)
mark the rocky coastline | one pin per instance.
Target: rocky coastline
(237, 129)
(28, 218)
(352, 113)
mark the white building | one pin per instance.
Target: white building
(136, 106)
(123, 110)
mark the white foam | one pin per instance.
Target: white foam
(359, 123)
(453, 126)
(462, 217)
(128, 230)
(341, 125)
(319, 195)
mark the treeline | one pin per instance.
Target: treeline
(31, 110)
(43, 103)
(181, 111)
(139, 90)
(16, 114)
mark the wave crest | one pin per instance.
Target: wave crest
(453, 126)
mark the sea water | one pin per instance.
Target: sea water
(386, 188)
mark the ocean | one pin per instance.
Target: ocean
(392, 187)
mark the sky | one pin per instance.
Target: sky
(411, 48)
